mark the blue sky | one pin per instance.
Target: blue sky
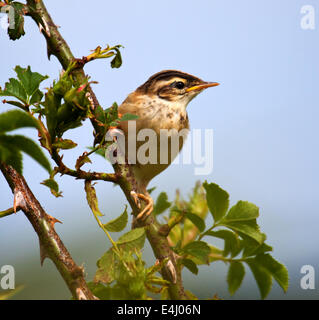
(264, 116)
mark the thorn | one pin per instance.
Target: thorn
(53, 220)
(172, 270)
(18, 200)
(80, 294)
(43, 254)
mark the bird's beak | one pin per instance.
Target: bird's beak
(202, 86)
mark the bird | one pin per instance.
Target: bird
(160, 103)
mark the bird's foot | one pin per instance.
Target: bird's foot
(147, 209)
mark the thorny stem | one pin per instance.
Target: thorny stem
(57, 46)
(51, 245)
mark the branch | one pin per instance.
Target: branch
(51, 245)
(158, 240)
(80, 174)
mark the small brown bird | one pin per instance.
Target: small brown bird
(160, 103)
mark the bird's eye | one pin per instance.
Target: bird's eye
(179, 85)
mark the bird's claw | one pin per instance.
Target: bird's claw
(136, 199)
(149, 204)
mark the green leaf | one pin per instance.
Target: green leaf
(54, 187)
(196, 220)
(16, 119)
(14, 88)
(36, 97)
(64, 144)
(51, 105)
(151, 190)
(217, 200)
(248, 228)
(242, 211)
(161, 204)
(117, 224)
(105, 264)
(190, 265)
(276, 269)
(100, 291)
(27, 146)
(11, 156)
(100, 151)
(117, 60)
(128, 116)
(29, 80)
(235, 276)
(262, 277)
(252, 248)
(198, 249)
(132, 239)
(242, 218)
(232, 241)
(92, 199)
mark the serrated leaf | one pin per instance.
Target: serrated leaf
(198, 249)
(15, 119)
(276, 269)
(262, 277)
(235, 276)
(64, 144)
(242, 211)
(252, 248)
(161, 204)
(27, 146)
(118, 224)
(232, 242)
(215, 254)
(14, 88)
(190, 265)
(54, 187)
(132, 239)
(196, 220)
(29, 80)
(128, 117)
(248, 228)
(217, 200)
(36, 97)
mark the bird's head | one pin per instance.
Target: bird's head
(174, 86)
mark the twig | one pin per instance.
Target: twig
(80, 174)
(7, 212)
(51, 245)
